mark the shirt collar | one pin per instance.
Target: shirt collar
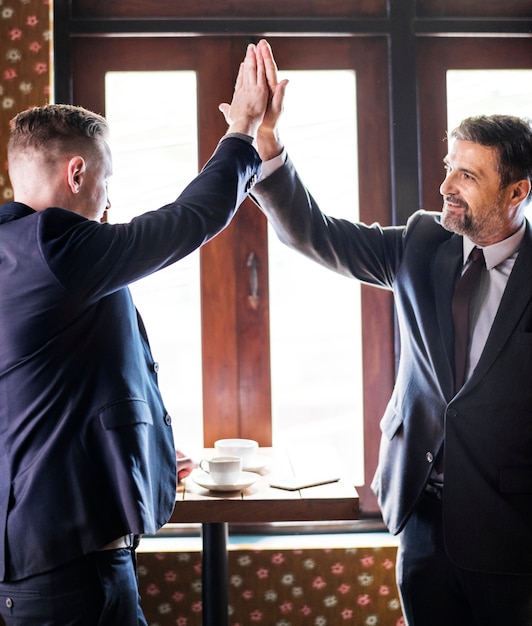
(497, 252)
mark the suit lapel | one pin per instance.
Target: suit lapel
(516, 297)
(447, 264)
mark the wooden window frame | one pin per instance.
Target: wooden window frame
(435, 57)
(235, 334)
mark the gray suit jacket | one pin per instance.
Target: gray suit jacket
(86, 447)
(487, 426)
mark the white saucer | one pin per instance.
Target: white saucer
(203, 479)
(257, 463)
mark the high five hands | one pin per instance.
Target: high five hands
(257, 101)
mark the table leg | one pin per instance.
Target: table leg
(214, 574)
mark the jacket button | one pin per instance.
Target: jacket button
(155, 367)
(429, 457)
(167, 420)
(9, 603)
(251, 182)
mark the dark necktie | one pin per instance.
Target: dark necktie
(463, 292)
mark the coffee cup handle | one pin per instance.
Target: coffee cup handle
(204, 465)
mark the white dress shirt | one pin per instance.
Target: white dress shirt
(500, 258)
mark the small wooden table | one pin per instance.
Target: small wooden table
(259, 503)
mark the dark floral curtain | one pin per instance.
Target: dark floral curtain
(26, 67)
(314, 587)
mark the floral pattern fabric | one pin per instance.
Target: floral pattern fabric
(310, 587)
(25, 67)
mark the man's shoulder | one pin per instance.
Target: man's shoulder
(426, 218)
(427, 224)
(14, 210)
(11, 211)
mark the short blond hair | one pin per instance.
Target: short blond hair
(56, 129)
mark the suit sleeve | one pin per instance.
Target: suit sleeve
(371, 254)
(102, 258)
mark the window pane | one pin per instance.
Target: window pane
(315, 313)
(487, 92)
(154, 145)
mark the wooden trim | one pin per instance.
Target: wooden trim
(235, 329)
(473, 8)
(375, 206)
(229, 8)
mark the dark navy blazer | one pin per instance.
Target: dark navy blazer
(487, 425)
(86, 446)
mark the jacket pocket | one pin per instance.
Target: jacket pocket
(125, 413)
(390, 423)
(517, 479)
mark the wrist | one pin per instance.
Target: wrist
(244, 127)
(268, 144)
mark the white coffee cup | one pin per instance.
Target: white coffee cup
(224, 470)
(246, 449)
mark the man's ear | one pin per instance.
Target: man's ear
(521, 189)
(75, 173)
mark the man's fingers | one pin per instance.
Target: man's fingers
(270, 66)
(278, 94)
(250, 65)
(225, 109)
(240, 77)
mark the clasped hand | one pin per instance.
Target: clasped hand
(258, 97)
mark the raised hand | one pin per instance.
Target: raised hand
(268, 142)
(250, 97)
